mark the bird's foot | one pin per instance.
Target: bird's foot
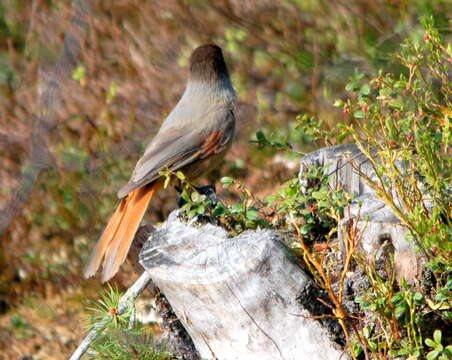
(208, 191)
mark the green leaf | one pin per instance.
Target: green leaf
(402, 352)
(400, 310)
(359, 114)
(418, 296)
(166, 182)
(397, 297)
(306, 229)
(261, 139)
(227, 181)
(79, 73)
(319, 195)
(385, 92)
(396, 103)
(432, 355)
(219, 210)
(350, 86)
(180, 175)
(197, 197)
(112, 91)
(432, 305)
(236, 208)
(252, 214)
(437, 336)
(430, 343)
(339, 103)
(365, 89)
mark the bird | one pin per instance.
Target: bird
(194, 138)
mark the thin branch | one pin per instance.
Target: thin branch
(125, 302)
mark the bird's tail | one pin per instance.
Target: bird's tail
(117, 237)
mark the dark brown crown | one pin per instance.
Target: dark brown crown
(207, 63)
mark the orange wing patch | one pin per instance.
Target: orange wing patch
(212, 144)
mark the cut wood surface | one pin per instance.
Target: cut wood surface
(236, 297)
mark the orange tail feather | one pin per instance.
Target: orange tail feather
(117, 237)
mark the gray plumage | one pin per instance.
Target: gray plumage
(206, 107)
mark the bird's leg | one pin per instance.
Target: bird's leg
(208, 191)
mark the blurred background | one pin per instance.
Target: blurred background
(84, 86)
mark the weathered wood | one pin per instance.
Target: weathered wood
(236, 297)
(376, 220)
(174, 337)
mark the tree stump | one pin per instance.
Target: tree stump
(235, 296)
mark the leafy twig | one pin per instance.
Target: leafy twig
(125, 302)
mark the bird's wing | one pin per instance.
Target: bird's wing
(175, 148)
